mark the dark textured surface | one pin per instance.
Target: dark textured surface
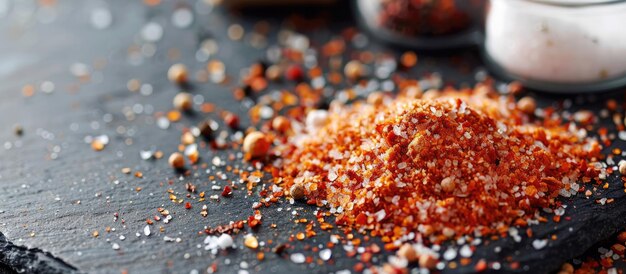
(55, 205)
(5, 269)
(22, 259)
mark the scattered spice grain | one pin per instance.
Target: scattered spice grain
(183, 101)
(177, 74)
(527, 105)
(407, 252)
(256, 144)
(281, 124)
(176, 160)
(297, 191)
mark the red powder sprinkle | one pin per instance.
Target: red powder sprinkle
(466, 162)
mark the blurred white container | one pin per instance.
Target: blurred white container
(558, 45)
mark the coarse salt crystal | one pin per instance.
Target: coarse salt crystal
(449, 254)
(225, 241)
(146, 230)
(332, 175)
(540, 243)
(297, 258)
(466, 251)
(380, 215)
(325, 254)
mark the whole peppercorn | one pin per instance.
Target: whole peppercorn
(273, 73)
(256, 144)
(294, 73)
(231, 120)
(427, 261)
(448, 185)
(407, 252)
(207, 127)
(353, 70)
(297, 191)
(622, 167)
(18, 130)
(257, 70)
(176, 160)
(527, 105)
(375, 98)
(177, 74)
(408, 59)
(183, 101)
(187, 138)
(281, 124)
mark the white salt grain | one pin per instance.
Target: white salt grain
(540, 243)
(225, 241)
(297, 258)
(325, 254)
(146, 230)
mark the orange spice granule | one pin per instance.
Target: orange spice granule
(458, 163)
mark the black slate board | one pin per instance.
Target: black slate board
(40, 196)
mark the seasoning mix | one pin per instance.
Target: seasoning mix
(448, 163)
(409, 162)
(396, 171)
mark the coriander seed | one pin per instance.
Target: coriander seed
(183, 101)
(297, 191)
(177, 74)
(527, 105)
(176, 160)
(407, 252)
(281, 124)
(256, 144)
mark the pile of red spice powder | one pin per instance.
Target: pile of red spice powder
(432, 17)
(440, 164)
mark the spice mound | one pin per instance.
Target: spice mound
(423, 17)
(457, 163)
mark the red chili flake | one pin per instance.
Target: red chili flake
(618, 248)
(253, 222)
(481, 266)
(294, 73)
(366, 257)
(187, 205)
(227, 191)
(358, 267)
(231, 120)
(212, 268)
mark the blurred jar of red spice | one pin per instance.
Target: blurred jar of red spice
(424, 24)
